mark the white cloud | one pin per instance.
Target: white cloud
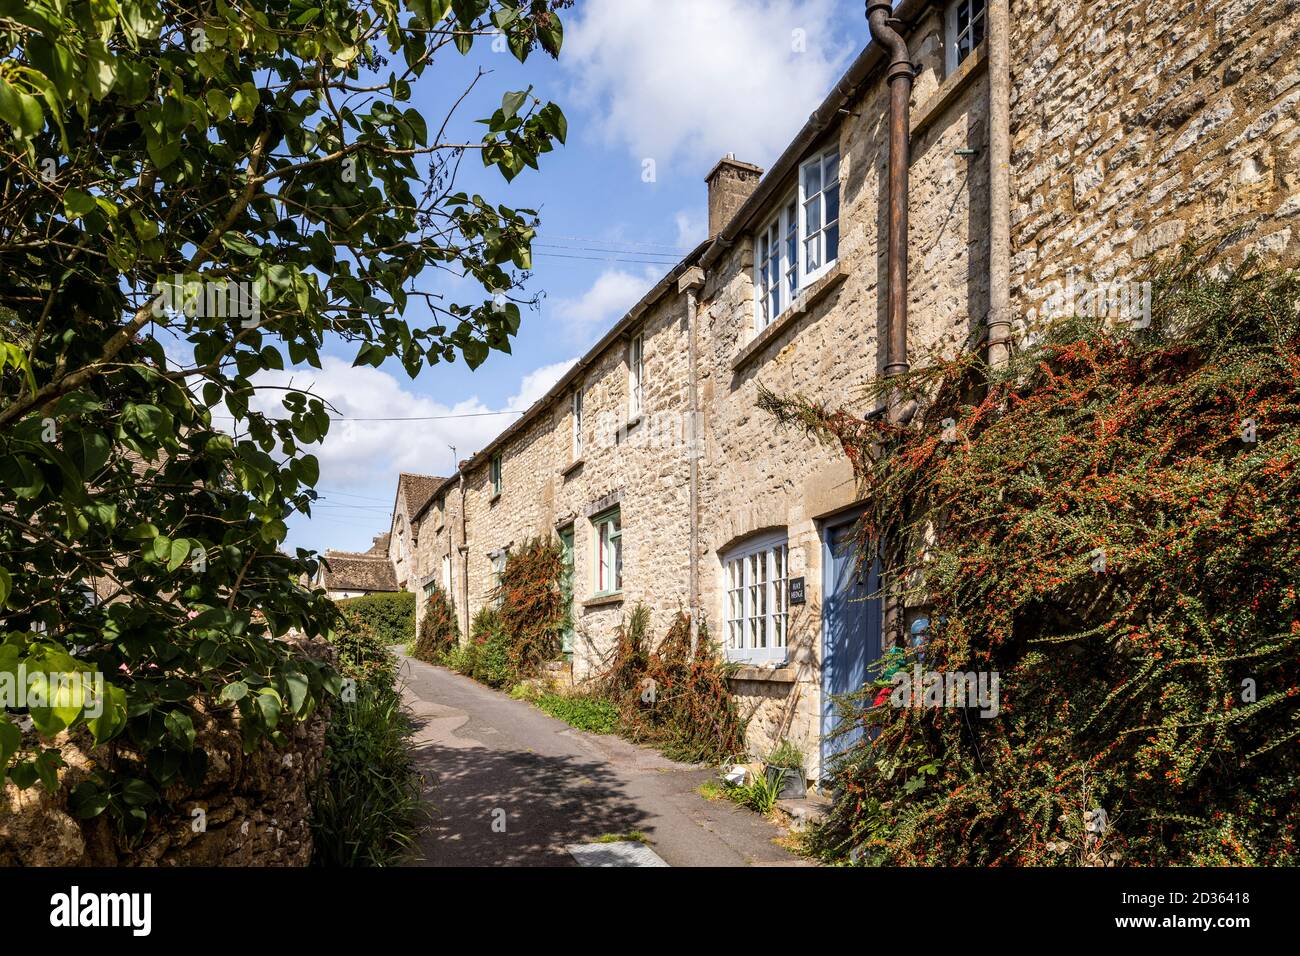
(694, 79)
(369, 454)
(537, 383)
(692, 229)
(606, 301)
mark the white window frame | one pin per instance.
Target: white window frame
(636, 376)
(446, 573)
(756, 600)
(827, 164)
(494, 472)
(575, 409)
(773, 261)
(607, 546)
(782, 246)
(977, 13)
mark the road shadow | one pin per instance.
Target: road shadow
(514, 807)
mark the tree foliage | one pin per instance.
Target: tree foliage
(191, 194)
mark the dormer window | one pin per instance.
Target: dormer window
(801, 241)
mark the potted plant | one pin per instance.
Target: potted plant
(785, 765)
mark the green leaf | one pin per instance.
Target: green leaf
(11, 739)
(111, 719)
(553, 121)
(137, 793)
(235, 691)
(179, 554)
(87, 800)
(245, 102)
(218, 104)
(180, 728)
(11, 110)
(269, 704)
(7, 583)
(240, 245)
(306, 469)
(31, 117)
(47, 765)
(511, 102)
(100, 72)
(299, 691)
(77, 203)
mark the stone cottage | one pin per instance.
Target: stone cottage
(349, 574)
(413, 493)
(1038, 145)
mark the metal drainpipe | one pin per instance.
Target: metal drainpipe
(900, 73)
(464, 554)
(999, 320)
(691, 283)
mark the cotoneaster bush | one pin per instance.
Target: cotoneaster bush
(1109, 524)
(439, 632)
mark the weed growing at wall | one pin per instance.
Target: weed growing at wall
(590, 712)
(533, 606)
(489, 658)
(672, 697)
(1109, 525)
(439, 632)
(366, 807)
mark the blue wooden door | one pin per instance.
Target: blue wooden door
(852, 629)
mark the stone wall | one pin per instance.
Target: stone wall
(256, 807)
(1140, 123)
(640, 466)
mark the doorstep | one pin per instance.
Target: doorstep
(798, 814)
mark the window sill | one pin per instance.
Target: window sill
(604, 600)
(953, 84)
(573, 466)
(806, 300)
(495, 498)
(771, 675)
(633, 421)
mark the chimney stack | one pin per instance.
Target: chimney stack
(730, 183)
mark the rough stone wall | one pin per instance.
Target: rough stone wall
(757, 478)
(437, 534)
(1140, 123)
(400, 552)
(646, 467)
(640, 466)
(256, 807)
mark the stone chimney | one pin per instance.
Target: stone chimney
(730, 183)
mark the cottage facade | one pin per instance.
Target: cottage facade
(1131, 125)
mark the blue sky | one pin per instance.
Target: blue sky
(674, 82)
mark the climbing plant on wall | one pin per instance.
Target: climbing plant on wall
(1109, 526)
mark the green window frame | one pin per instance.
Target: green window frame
(607, 547)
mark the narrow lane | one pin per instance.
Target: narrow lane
(510, 786)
